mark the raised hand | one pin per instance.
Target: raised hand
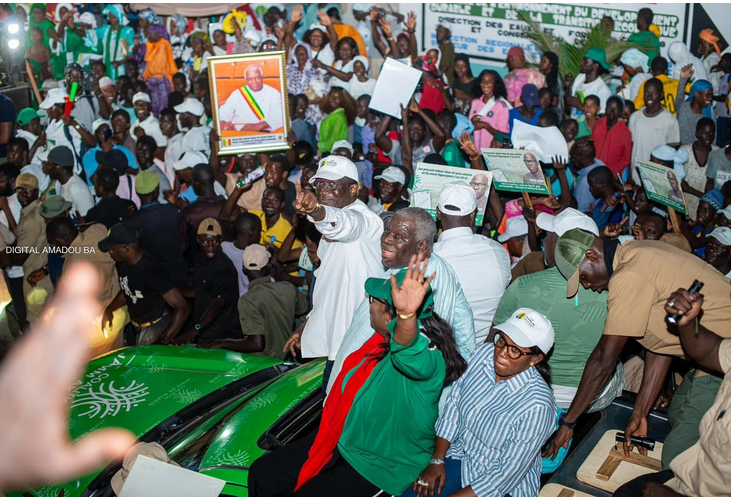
(305, 202)
(615, 229)
(559, 163)
(385, 26)
(410, 22)
(467, 145)
(324, 18)
(297, 14)
(687, 71)
(373, 14)
(413, 107)
(408, 297)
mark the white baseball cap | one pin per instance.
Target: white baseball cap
(190, 105)
(98, 123)
(105, 81)
(726, 212)
(54, 96)
(515, 227)
(334, 167)
(528, 328)
(253, 37)
(189, 160)
(343, 144)
(722, 234)
(141, 96)
(569, 219)
(458, 195)
(392, 174)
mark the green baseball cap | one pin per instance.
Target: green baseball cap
(380, 288)
(599, 55)
(570, 253)
(53, 206)
(146, 182)
(27, 115)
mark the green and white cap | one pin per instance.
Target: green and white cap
(570, 253)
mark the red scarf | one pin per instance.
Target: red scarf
(337, 408)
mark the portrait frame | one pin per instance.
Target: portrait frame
(227, 80)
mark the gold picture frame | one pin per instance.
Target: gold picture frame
(237, 106)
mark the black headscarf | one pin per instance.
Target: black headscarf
(464, 58)
(552, 77)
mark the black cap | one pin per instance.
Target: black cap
(70, 67)
(114, 158)
(119, 234)
(61, 155)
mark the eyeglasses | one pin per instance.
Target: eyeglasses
(513, 352)
(372, 299)
(327, 185)
(478, 184)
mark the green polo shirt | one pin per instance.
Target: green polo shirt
(578, 322)
(389, 435)
(452, 154)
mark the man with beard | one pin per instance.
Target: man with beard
(410, 232)
(349, 253)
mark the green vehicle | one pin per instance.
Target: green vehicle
(214, 411)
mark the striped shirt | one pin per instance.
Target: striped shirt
(497, 429)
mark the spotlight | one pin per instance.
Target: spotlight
(13, 28)
(13, 43)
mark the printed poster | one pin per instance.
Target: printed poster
(661, 185)
(515, 170)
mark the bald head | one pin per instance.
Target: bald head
(254, 77)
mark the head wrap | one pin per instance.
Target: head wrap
(199, 34)
(362, 7)
(149, 15)
(680, 55)
(679, 157)
(708, 36)
(67, 6)
(181, 23)
(88, 18)
(362, 60)
(700, 86)
(118, 11)
(654, 29)
(635, 58)
(23, 6)
(159, 30)
(714, 198)
(40, 6)
(293, 53)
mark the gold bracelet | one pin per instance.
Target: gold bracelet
(402, 316)
(474, 158)
(317, 207)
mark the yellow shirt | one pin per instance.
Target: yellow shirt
(277, 233)
(669, 86)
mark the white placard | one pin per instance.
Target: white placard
(152, 478)
(395, 85)
(547, 142)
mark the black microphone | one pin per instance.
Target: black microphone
(695, 288)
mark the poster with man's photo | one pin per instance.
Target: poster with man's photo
(515, 170)
(249, 102)
(661, 185)
(429, 180)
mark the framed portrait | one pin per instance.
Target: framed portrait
(249, 102)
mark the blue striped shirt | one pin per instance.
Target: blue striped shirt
(497, 429)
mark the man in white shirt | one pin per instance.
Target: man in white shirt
(652, 125)
(56, 129)
(254, 107)
(588, 82)
(146, 123)
(194, 136)
(391, 186)
(482, 265)
(350, 253)
(29, 128)
(59, 167)
(9, 203)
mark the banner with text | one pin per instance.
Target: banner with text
(488, 30)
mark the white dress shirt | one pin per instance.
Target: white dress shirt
(237, 111)
(483, 268)
(350, 253)
(151, 126)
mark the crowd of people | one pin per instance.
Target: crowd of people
(460, 357)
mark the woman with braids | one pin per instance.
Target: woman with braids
(497, 416)
(490, 111)
(377, 428)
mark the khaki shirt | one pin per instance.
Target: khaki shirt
(251, 199)
(645, 274)
(704, 469)
(31, 233)
(86, 248)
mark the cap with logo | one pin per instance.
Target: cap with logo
(514, 228)
(98, 123)
(457, 198)
(53, 206)
(393, 175)
(54, 96)
(27, 115)
(343, 144)
(61, 155)
(528, 328)
(114, 158)
(190, 105)
(256, 257)
(26, 181)
(570, 253)
(568, 219)
(210, 227)
(529, 95)
(141, 97)
(119, 234)
(146, 182)
(334, 168)
(721, 233)
(189, 160)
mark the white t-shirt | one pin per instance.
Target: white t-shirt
(649, 133)
(236, 255)
(581, 89)
(15, 208)
(196, 139)
(151, 126)
(348, 68)
(77, 192)
(358, 88)
(56, 136)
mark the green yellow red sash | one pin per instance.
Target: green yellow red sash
(249, 98)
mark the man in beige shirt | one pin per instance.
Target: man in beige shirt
(704, 469)
(76, 246)
(640, 276)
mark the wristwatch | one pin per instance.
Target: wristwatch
(77, 126)
(436, 461)
(568, 425)
(197, 327)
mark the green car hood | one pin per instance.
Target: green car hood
(138, 388)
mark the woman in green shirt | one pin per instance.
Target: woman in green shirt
(340, 110)
(379, 417)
